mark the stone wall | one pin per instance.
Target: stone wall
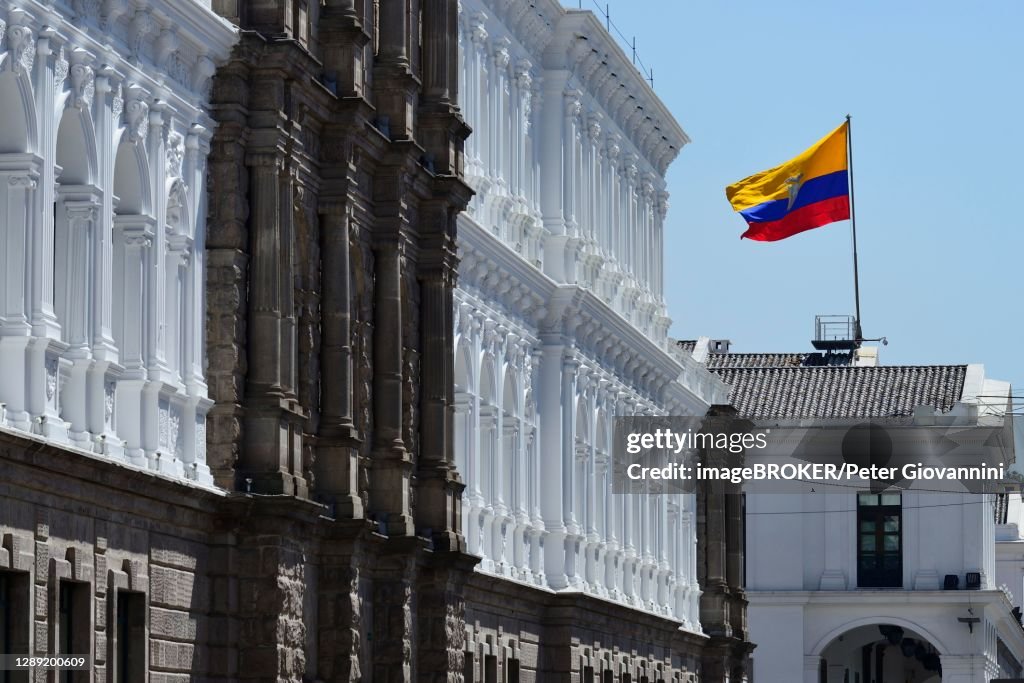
(533, 635)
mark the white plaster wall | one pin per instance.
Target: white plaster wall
(104, 203)
(560, 316)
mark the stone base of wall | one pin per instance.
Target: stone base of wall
(238, 587)
(520, 630)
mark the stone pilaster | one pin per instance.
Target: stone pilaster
(439, 486)
(272, 455)
(395, 84)
(337, 479)
(392, 464)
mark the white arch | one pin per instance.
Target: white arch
(510, 391)
(131, 180)
(829, 637)
(20, 131)
(464, 374)
(601, 435)
(76, 147)
(179, 209)
(488, 381)
(583, 418)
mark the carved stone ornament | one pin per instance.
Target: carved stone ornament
(21, 43)
(83, 84)
(477, 31)
(60, 69)
(112, 10)
(501, 53)
(86, 10)
(108, 404)
(175, 154)
(138, 239)
(163, 424)
(573, 106)
(173, 430)
(166, 43)
(137, 119)
(27, 181)
(202, 73)
(142, 25)
(117, 106)
(51, 378)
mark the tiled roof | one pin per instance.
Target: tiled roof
(778, 360)
(841, 392)
(687, 345)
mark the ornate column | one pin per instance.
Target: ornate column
(337, 462)
(571, 485)
(19, 207)
(271, 460)
(107, 106)
(343, 41)
(197, 148)
(439, 486)
(286, 255)
(264, 376)
(77, 224)
(392, 464)
(44, 318)
(394, 85)
(134, 236)
(553, 477)
(441, 129)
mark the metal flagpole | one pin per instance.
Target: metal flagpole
(853, 225)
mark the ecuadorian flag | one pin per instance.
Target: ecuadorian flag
(806, 192)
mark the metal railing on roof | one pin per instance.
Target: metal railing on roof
(628, 43)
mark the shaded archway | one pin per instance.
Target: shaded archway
(881, 651)
(76, 207)
(17, 111)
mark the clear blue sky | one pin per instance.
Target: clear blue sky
(936, 97)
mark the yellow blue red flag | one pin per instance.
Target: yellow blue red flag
(808, 191)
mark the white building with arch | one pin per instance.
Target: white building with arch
(850, 585)
(102, 218)
(561, 322)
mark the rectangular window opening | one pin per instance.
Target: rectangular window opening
(130, 643)
(879, 540)
(14, 620)
(74, 626)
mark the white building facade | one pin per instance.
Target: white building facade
(847, 585)
(102, 212)
(561, 322)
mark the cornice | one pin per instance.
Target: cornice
(576, 43)
(497, 273)
(582, 44)
(173, 47)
